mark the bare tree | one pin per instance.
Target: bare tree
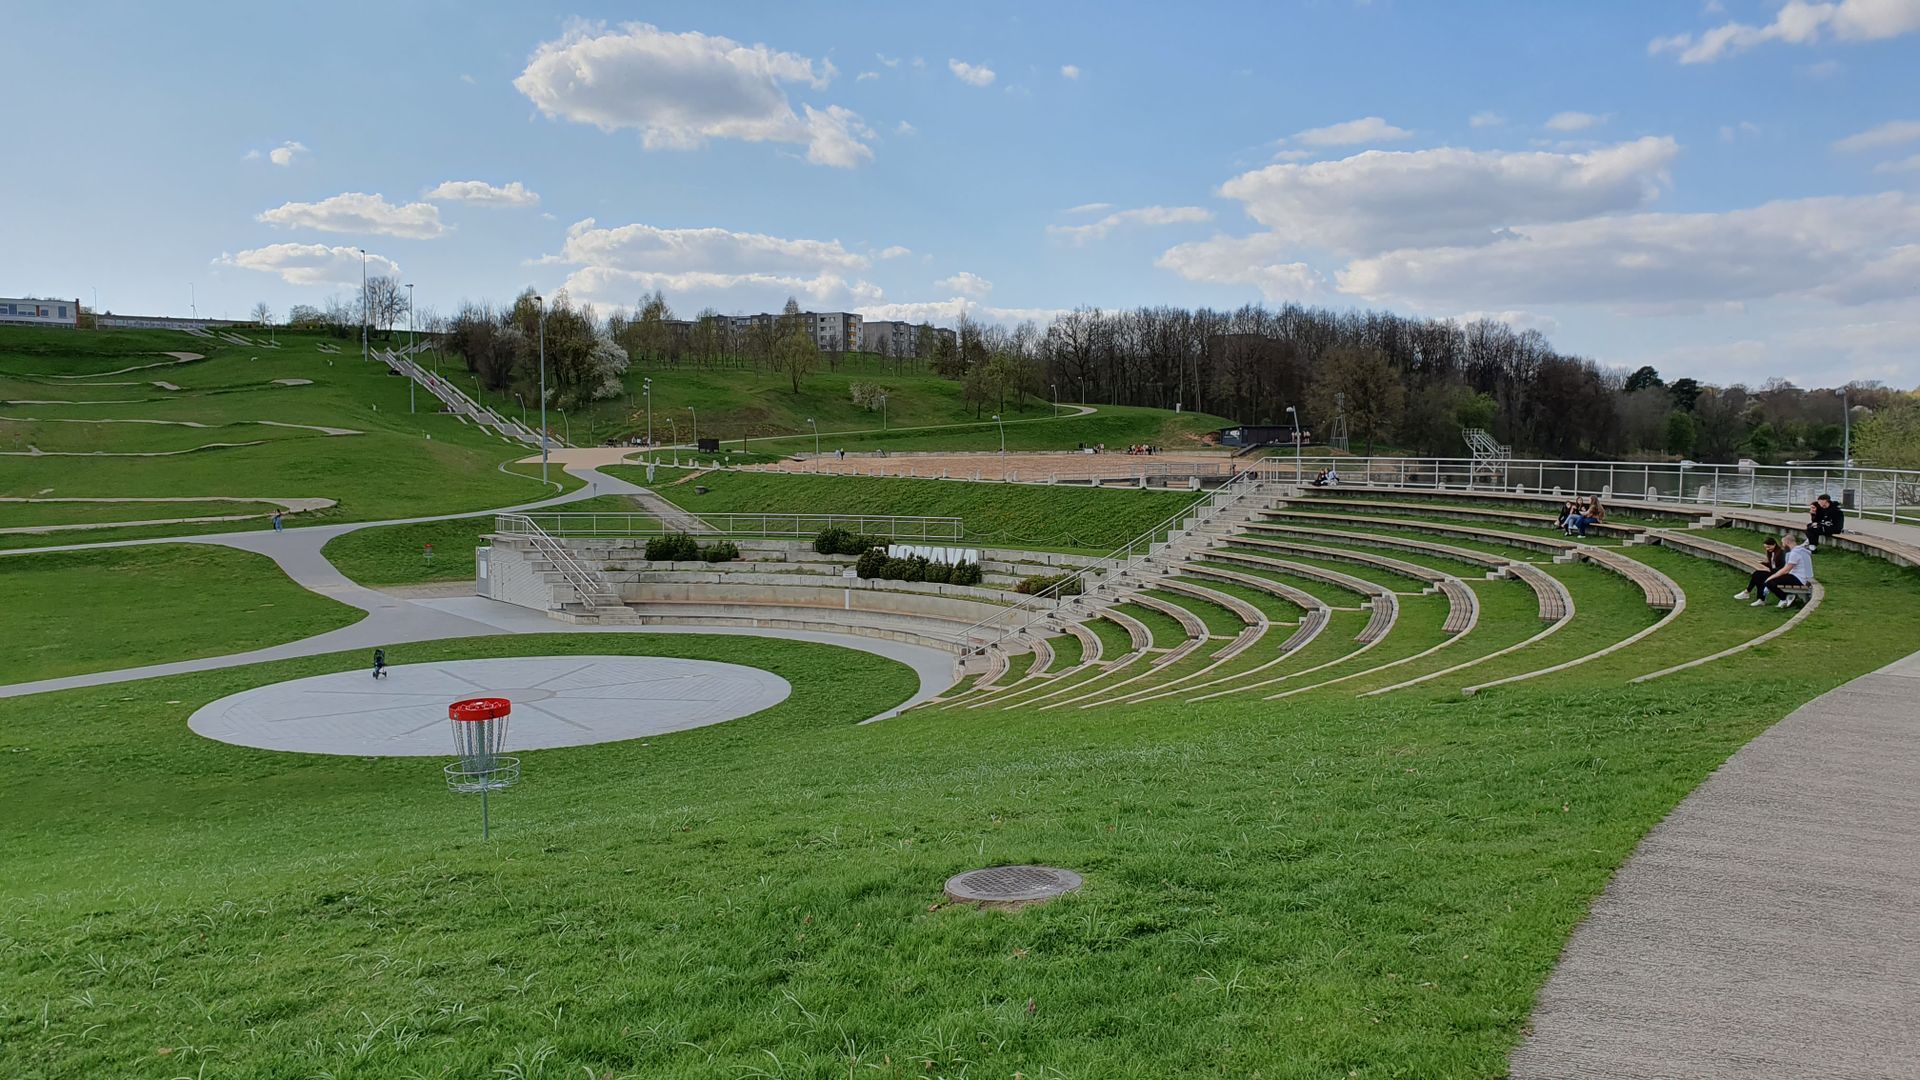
(386, 302)
(262, 314)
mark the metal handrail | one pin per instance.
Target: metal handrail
(592, 589)
(1886, 494)
(640, 523)
(1043, 603)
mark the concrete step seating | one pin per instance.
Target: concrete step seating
(1660, 590)
(1385, 605)
(1879, 547)
(1344, 522)
(1546, 502)
(1462, 510)
(1463, 605)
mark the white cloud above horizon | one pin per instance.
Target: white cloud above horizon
(359, 213)
(967, 284)
(680, 90)
(1574, 121)
(310, 264)
(1070, 71)
(1140, 216)
(1891, 133)
(514, 193)
(1367, 129)
(283, 155)
(1797, 22)
(971, 74)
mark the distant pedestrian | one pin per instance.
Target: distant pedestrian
(279, 521)
(379, 663)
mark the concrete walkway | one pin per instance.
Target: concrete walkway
(1770, 927)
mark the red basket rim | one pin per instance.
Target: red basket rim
(473, 710)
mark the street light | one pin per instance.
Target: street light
(696, 426)
(1003, 432)
(646, 391)
(883, 412)
(569, 424)
(816, 437)
(523, 408)
(366, 310)
(543, 388)
(1056, 400)
(411, 381)
(1846, 428)
(1294, 415)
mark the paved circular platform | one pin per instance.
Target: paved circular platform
(557, 701)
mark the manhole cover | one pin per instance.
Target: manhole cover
(1011, 886)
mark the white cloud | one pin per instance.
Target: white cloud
(1145, 215)
(1519, 320)
(1070, 71)
(1088, 208)
(310, 264)
(837, 137)
(1731, 132)
(904, 128)
(283, 155)
(1574, 121)
(1292, 155)
(1379, 199)
(1367, 129)
(358, 212)
(866, 76)
(680, 90)
(1486, 119)
(1845, 250)
(890, 61)
(1904, 165)
(468, 79)
(730, 270)
(894, 252)
(1259, 260)
(1891, 133)
(948, 312)
(479, 191)
(1798, 22)
(966, 283)
(971, 74)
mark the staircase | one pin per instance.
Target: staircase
(459, 403)
(594, 598)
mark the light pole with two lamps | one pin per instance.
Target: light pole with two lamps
(543, 388)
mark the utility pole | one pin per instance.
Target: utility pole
(816, 437)
(366, 312)
(1003, 432)
(696, 427)
(883, 412)
(646, 391)
(411, 381)
(543, 388)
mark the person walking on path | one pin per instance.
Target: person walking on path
(279, 521)
(379, 663)
(1773, 559)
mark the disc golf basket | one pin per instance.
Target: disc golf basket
(479, 734)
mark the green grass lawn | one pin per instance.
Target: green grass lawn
(1011, 514)
(396, 554)
(1318, 887)
(25, 514)
(66, 613)
(405, 464)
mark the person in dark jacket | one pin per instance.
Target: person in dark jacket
(379, 663)
(1771, 560)
(1824, 518)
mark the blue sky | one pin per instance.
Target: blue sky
(1725, 191)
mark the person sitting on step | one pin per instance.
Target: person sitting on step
(1824, 518)
(1796, 572)
(1772, 559)
(1567, 510)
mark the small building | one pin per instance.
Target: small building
(1258, 435)
(31, 312)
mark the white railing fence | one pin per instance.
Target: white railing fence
(615, 524)
(591, 588)
(1017, 617)
(1885, 494)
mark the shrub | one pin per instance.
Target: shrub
(673, 547)
(872, 562)
(939, 573)
(724, 551)
(896, 569)
(835, 540)
(964, 573)
(1039, 583)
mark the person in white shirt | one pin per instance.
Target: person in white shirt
(1796, 573)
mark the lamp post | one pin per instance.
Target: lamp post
(696, 427)
(883, 412)
(674, 426)
(646, 391)
(568, 439)
(1003, 432)
(411, 381)
(366, 308)
(1056, 400)
(816, 437)
(1846, 428)
(1294, 415)
(543, 387)
(523, 407)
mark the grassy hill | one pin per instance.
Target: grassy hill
(248, 421)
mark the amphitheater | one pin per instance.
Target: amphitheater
(1265, 588)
